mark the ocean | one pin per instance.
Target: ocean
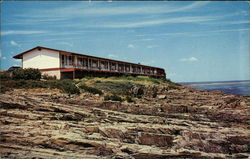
(229, 87)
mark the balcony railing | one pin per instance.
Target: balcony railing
(131, 71)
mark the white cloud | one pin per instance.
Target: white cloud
(229, 22)
(77, 10)
(16, 62)
(152, 46)
(66, 43)
(131, 46)
(21, 32)
(191, 59)
(112, 56)
(191, 19)
(146, 39)
(148, 62)
(13, 43)
(125, 58)
(203, 33)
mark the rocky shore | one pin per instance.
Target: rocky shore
(176, 123)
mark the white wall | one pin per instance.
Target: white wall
(41, 59)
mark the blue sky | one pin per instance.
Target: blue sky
(192, 41)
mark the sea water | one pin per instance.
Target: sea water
(229, 87)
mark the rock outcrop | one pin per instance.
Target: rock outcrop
(183, 123)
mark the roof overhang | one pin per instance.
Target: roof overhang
(20, 56)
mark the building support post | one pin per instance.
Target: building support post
(74, 74)
(88, 66)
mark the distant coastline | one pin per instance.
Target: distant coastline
(237, 87)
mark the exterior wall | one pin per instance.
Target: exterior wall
(56, 73)
(41, 59)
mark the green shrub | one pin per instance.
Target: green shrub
(246, 148)
(129, 99)
(66, 85)
(4, 89)
(48, 77)
(91, 89)
(173, 86)
(5, 75)
(138, 96)
(113, 98)
(121, 88)
(26, 84)
(26, 74)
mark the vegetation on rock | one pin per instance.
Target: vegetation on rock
(91, 89)
(112, 98)
(123, 86)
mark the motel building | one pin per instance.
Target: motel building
(64, 64)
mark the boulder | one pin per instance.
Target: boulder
(112, 105)
(159, 140)
(162, 96)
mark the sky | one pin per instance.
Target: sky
(193, 41)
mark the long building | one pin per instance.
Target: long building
(65, 64)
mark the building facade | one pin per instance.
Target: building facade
(64, 64)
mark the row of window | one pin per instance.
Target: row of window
(68, 60)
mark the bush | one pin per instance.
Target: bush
(129, 99)
(4, 89)
(91, 89)
(173, 86)
(66, 85)
(5, 75)
(139, 96)
(121, 88)
(25, 84)
(113, 98)
(48, 77)
(26, 74)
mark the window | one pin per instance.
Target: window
(80, 61)
(121, 67)
(113, 66)
(94, 63)
(127, 68)
(104, 65)
(85, 62)
(70, 60)
(63, 60)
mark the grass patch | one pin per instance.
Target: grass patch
(112, 98)
(4, 89)
(143, 79)
(91, 89)
(121, 88)
(129, 99)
